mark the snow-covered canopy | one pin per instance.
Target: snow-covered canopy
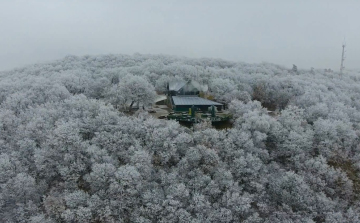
(67, 154)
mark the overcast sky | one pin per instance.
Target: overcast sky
(307, 33)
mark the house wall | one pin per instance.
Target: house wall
(203, 108)
(182, 91)
(188, 89)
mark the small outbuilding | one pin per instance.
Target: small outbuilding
(184, 102)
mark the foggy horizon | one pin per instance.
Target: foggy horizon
(307, 34)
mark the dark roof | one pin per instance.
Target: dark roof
(191, 100)
(176, 85)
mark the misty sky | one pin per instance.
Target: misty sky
(307, 33)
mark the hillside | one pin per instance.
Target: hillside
(69, 154)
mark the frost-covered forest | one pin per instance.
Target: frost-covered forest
(68, 153)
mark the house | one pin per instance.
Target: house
(182, 103)
(183, 88)
(183, 95)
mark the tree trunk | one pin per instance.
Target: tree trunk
(130, 107)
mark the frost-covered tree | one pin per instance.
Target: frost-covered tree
(67, 155)
(136, 90)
